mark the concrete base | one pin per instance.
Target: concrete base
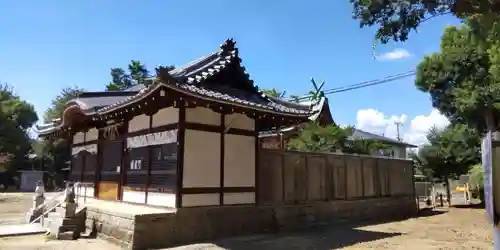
(69, 209)
(23, 229)
(190, 225)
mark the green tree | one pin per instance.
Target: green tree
(16, 117)
(463, 78)
(476, 181)
(137, 73)
(450, 153)
(59, 103)
(120, 79)
(330, 138)
(54, 151)
(272, 92)
(295, 98)
(316, 138)
(397, 18)
(363, 146)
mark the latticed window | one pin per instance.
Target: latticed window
(90, 165)
(111, 160)
(137, 171)
(164, 166)
(76, 167)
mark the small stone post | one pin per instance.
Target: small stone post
(38, 200)
(69, 204)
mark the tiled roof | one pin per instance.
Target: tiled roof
(318, 109)
(90, 104)
(190, 79)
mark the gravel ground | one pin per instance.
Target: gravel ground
(455, 228)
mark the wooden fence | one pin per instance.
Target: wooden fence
(299, 177)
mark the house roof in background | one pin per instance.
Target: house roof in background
(360, 134)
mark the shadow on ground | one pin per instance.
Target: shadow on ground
(471, 206)
(427, 212)
(322, 236)
(317, 239)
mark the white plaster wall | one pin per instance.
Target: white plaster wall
(165, 116)
(194, 200)
(201, 159)
(239, 161)
(82, 191)
(92, 134)
(239, 198)
(240, 121)
(79, 137)
(400, 152)
(202, 115)
(133, 196)
(161, 199)
(29, 179)
(138, 123)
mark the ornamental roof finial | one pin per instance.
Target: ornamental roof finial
(228, 45)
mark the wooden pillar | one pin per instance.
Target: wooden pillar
(345, 178)
(181, 129)
(362, 177)
(257, 162)
(124, 158)
(83, 157)
(378, 188)
(98, 168)
(150, 158)
(222, 151)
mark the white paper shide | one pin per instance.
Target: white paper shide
(158, 138)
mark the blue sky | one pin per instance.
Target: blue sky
(48, 45)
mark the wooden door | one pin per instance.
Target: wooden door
(108, 190)
(110, 176)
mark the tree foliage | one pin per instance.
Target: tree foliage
(397, 18)
(16, 117)
(272, 92)
(54, 151)
(330, 138)
(450, 153)
(463, 78)
(59, 103)
(316, 138)
(136, 74)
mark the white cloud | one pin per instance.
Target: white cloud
(377, 122)
(395, 54)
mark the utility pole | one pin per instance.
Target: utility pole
(398, 124)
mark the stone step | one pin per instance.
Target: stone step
(65, 221)
(87, 234)
(70, 235)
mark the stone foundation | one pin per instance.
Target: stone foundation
(196, 224)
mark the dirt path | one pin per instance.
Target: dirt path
(13, 207)
(456, 228)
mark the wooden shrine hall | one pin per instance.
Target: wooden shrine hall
(187, 137)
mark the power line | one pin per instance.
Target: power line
(364, 84)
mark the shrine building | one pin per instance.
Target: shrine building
(187, 137)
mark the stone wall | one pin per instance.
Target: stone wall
(204, 223)
(112, 225)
